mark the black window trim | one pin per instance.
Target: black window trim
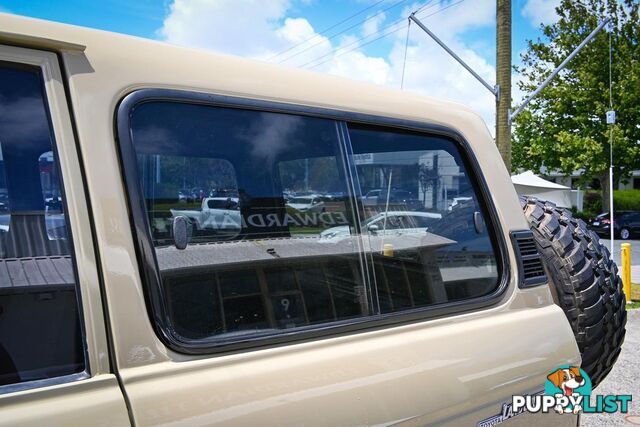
(145, 252)
(86, 372)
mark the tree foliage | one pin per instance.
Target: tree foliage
(564, 128)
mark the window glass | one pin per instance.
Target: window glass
(277, 241)
(40, 332)
(422, 218)
(263, 195)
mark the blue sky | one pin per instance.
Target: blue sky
(144, 18)
(263, 28)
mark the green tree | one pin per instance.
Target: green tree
(565, 128)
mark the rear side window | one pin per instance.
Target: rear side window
(427, 226)
(287, 232)
(256, 263)
(40, 330)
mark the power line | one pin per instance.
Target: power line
(374, 40)
(356, 42)
(357, 24)
(418, 10)
(326, 30)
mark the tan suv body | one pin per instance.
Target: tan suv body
(265, 323)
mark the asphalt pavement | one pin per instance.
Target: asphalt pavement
(624, 378)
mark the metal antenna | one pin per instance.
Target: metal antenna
(495, 90)
(406, 47)
(558, 69)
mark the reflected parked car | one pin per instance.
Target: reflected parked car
(395, 222)
(371, 198)
(216, 213)
(626, 224)
(397, 197)
(312, 203)
(184, 196)
(456, 201)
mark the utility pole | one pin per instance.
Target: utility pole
(503, 79)
(502, 89)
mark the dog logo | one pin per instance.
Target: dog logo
(569, 384)
(567, 380)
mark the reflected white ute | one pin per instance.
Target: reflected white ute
(306, 204)
(217, 213)
(395, 222)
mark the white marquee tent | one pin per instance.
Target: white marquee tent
(529, 184)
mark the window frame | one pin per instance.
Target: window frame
(145, 253)
(47, 66)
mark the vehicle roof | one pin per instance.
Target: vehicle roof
(242, 76)
(100, 69)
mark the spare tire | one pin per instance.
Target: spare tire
(584, 282)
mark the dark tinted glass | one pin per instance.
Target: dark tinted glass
(40, 335)
(269, 217)
(426, 249)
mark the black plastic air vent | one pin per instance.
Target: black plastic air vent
(529, 263)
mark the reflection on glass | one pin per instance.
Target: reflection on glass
(257, 190)
(418, 206)
(53, 207)
(203, 190)
(276, 239)
(40, 332)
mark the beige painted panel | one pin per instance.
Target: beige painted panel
(96, 401)
(524, 420)
(432, 371)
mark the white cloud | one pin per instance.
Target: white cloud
(431, 71)
(540, 11)
(245, 26)
(373, 24)
(259, 29)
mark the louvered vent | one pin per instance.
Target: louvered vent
(529, 263)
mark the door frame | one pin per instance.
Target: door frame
(97, 387)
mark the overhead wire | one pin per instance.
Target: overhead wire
(325, 30)
(311, 64)
(357, 41)
(418, 10)
(357, 24)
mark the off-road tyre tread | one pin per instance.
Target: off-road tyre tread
(584, 281)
